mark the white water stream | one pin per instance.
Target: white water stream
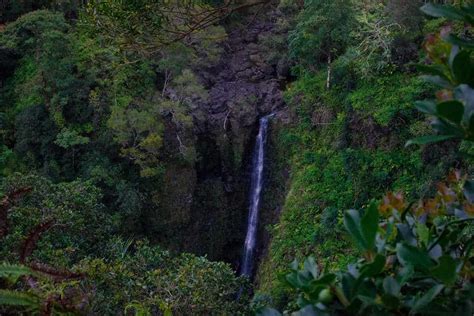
(258, 161)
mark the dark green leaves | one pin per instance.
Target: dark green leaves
(455, 40)
(469, 190)
(429, 296)
(391, 286)
(407, 272)
(454, 113)
(363, 230)
(451, 110)
(424, 140)
(411, 255)
(13, 272)
(374, 268)
(13, 298)
(268, 312)
(448, 12)
(462, 69)
(445, 271)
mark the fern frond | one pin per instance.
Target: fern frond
(14, 298)
(14, 271)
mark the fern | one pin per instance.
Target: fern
(13, 271)
(13, 298)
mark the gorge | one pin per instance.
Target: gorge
(236, 157)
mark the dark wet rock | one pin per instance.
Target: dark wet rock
(242, 87)
(242, 84)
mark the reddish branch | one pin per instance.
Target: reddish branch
(54, 273)
(32, 239)
(62, 303)
(213, 16)
(30, 245)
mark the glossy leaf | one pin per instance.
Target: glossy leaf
(445, 270)
(363, 230)
(444, 128)
(429, 139)
(469, 190)
(426, 299)
(391, 286)
(411, 255)
(311, 266)
(462, 68)
(434, 70)
(373, 268)
(441, 11)
(352, 224)
(437, 80)
(268, 312)
(370, 225)
(455, 40)
(428, 107)
(451, 110)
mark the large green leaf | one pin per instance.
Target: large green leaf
(426, 106)
(311, 267)
(462, 68)
(352, 224)
(370, 225)
(469, 190)
(452, 110)
(436, 80)
(373, 268)
(453, 39)
(363, 230)
(429, 139)
(13, 298)
(434, 70)
(445, 270)
(268, 312)
(391, 286)
(404, 275)
(441, 11)
(13, 271)
(445, 128)
(411, 255)
(422, 302)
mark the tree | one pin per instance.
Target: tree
(322, 33)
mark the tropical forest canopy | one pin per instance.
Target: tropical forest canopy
(127, 135)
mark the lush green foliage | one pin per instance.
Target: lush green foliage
(322, 32)
(416, 260)
(346, 148)
(452, 69)
(93, 94)
(61, 232)
(109, 168)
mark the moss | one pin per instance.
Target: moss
(384, 97)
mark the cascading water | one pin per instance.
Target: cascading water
(255, 191)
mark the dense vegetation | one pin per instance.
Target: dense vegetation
(124, 192)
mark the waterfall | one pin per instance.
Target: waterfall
(255, 192)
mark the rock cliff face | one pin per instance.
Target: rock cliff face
(208, 202)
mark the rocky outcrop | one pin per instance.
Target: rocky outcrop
(242, 87)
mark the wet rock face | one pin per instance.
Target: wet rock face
(242, 87)
(208, 201)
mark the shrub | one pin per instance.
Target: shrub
(417, 259)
